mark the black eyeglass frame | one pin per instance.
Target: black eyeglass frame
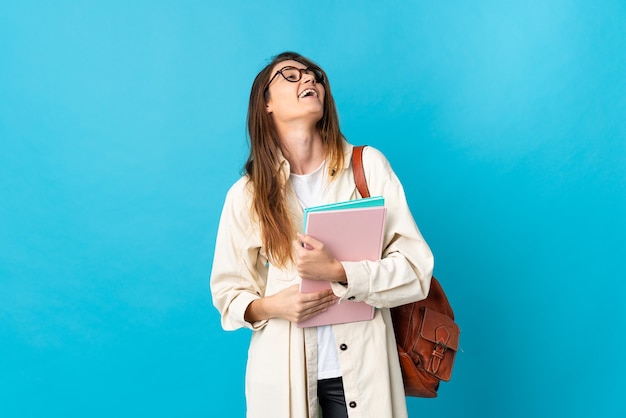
(317, 73)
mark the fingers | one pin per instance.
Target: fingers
(315, 311)
(307, 241)
(319, 294)
(316, 303)
(297, 307)
(294, 306)
(313, 260)
(310, 300)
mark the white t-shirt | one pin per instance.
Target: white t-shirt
(311, 189)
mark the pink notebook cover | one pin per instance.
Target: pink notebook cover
(350, 235)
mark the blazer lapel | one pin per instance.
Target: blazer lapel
(343, 187)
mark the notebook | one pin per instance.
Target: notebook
(348, 204)
(351, 233)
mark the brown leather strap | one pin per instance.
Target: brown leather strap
(358, 171)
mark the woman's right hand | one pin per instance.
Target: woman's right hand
(290, 304)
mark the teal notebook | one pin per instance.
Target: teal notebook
(368, 202)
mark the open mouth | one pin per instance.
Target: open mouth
(308, 93)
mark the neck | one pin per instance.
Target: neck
(303, 148)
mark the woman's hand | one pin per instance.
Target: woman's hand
(290, 304)
(315, 262)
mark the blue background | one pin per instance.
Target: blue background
(122, 124)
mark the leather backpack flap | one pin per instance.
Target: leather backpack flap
(442, 336)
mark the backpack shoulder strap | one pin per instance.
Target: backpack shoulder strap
(358, 171)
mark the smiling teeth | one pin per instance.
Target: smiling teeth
(306, 93)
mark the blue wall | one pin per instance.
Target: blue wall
(122, 124)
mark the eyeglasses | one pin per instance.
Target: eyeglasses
(293, 74)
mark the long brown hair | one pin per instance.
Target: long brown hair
(263, 164)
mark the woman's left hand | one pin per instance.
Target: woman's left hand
(315, 262)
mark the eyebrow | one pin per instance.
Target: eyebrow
(291, 66)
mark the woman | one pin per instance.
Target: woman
(299, 158)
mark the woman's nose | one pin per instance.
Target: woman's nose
(309, 77)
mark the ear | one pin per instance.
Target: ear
(268, 108)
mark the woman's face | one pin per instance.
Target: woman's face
(302, 100)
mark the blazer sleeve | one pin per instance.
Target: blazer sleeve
(239, 274)
(404, 272)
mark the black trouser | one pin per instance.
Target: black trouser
(331, 398)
